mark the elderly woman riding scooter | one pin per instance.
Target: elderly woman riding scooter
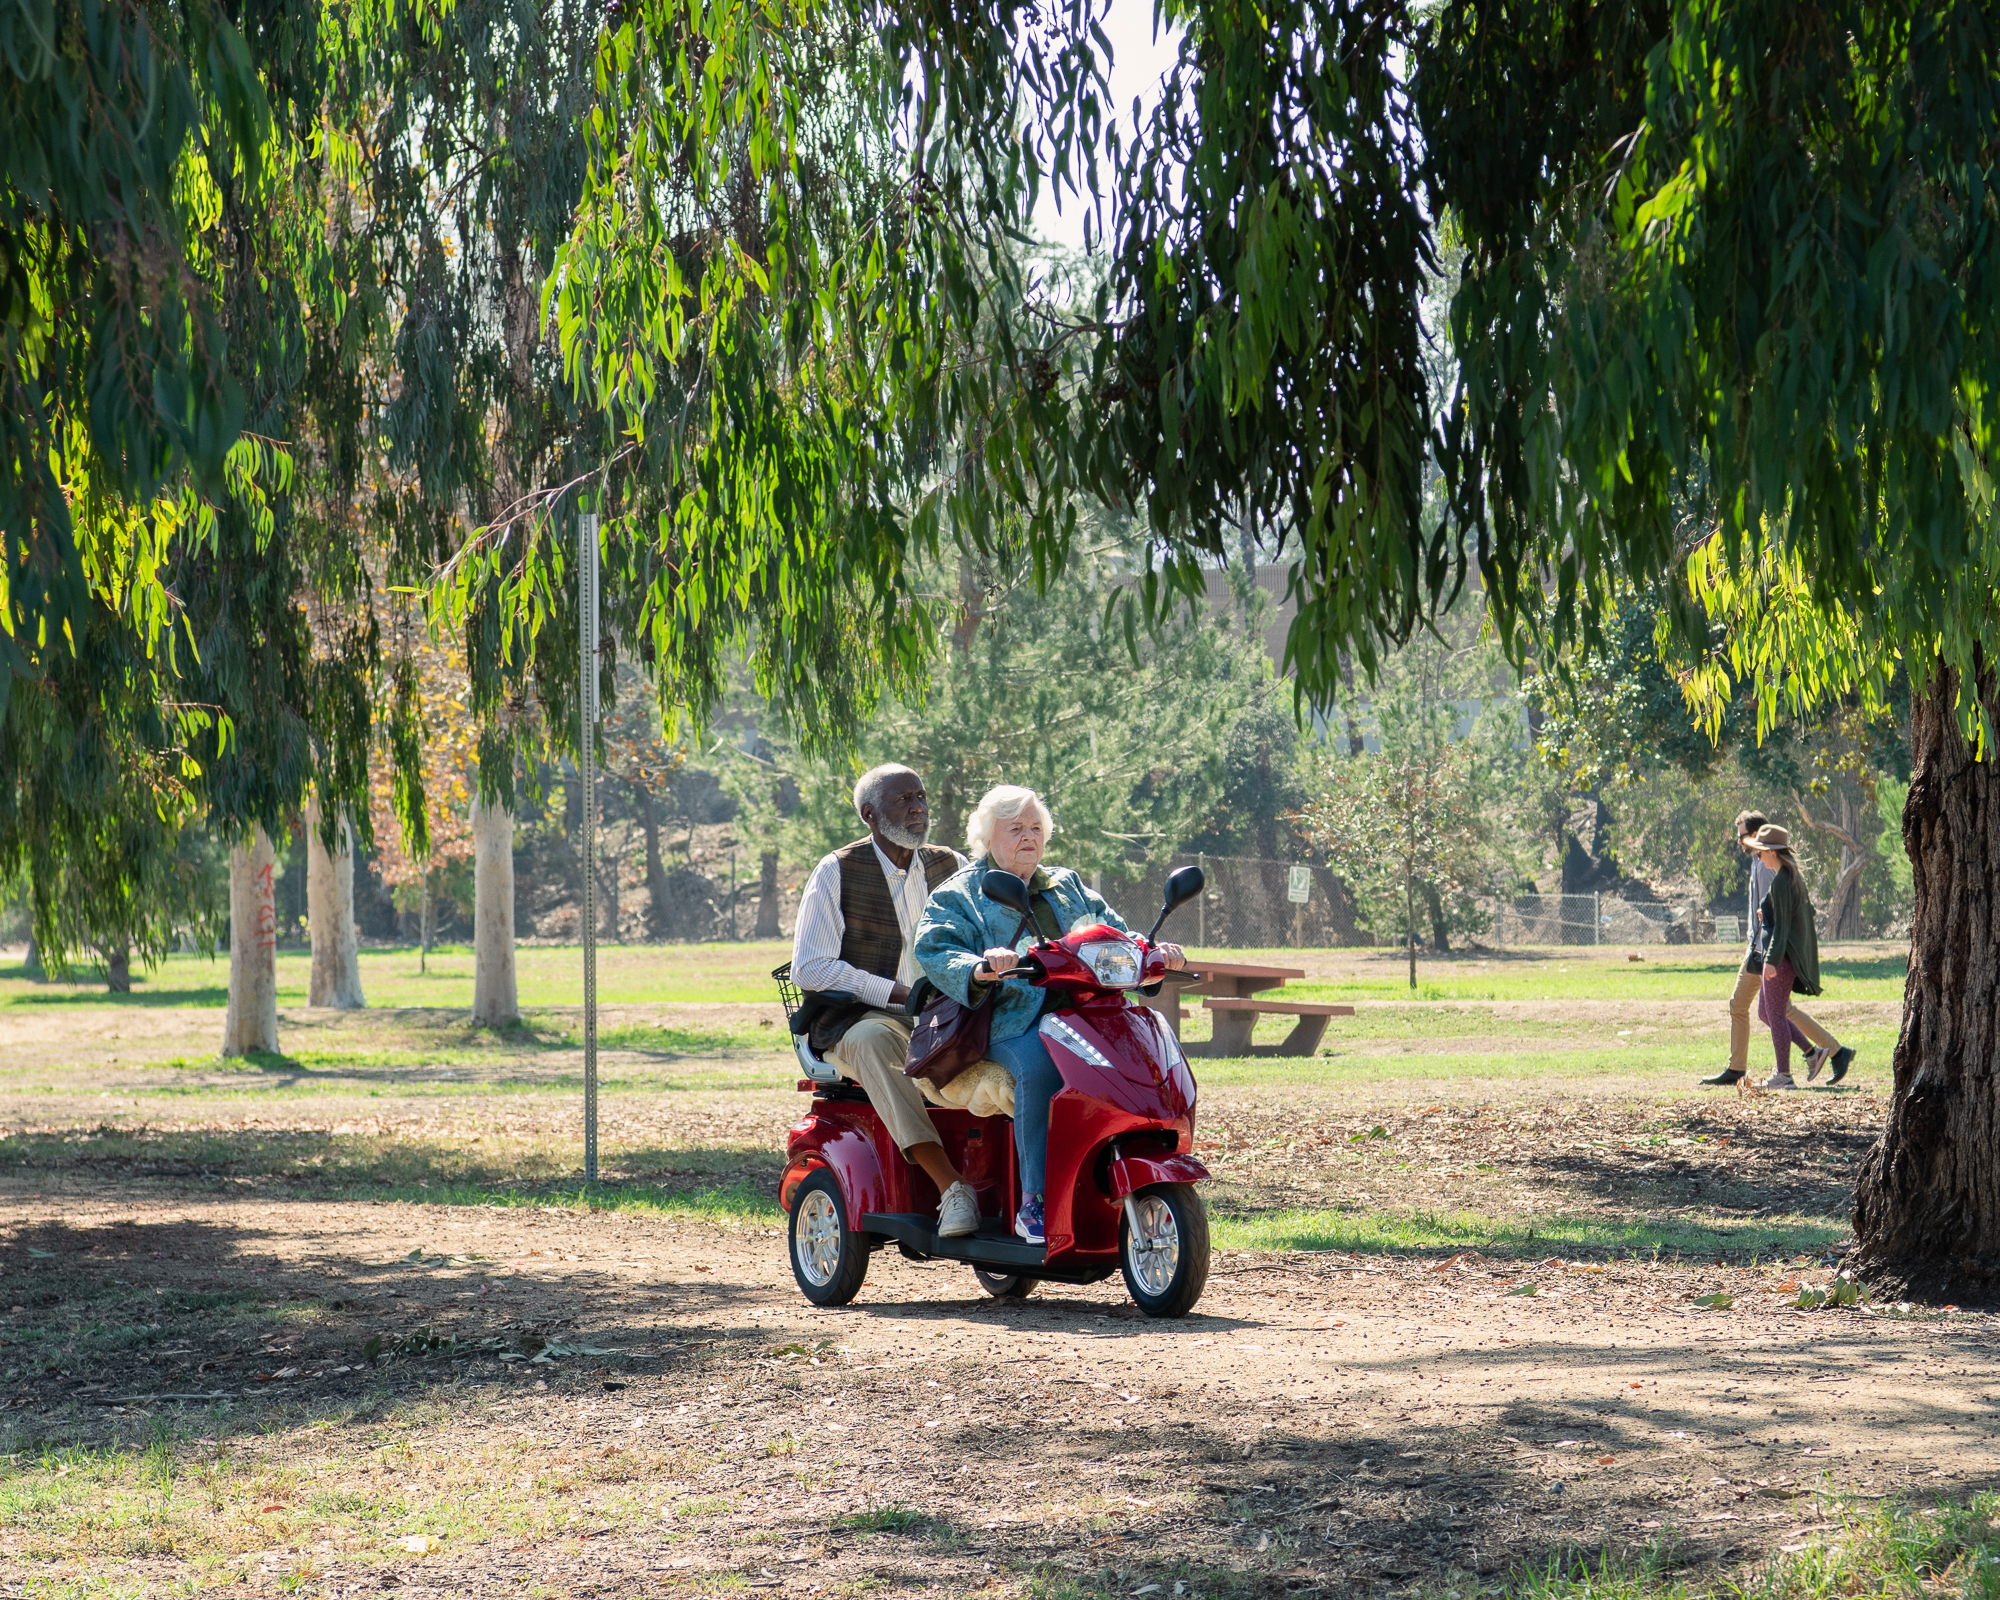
(966, 944)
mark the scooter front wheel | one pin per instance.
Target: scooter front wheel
(1165, 1260)
(828, 1257)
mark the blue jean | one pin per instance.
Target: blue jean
(1036, 1083)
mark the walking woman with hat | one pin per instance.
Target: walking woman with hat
(1791, 958)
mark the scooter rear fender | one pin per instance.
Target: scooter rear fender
(849, 1152)
(1137, 1172)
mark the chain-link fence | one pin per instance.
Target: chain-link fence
(1253, 904)
(1590, 919)
(1249, 904)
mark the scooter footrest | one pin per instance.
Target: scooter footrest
(992, 1246)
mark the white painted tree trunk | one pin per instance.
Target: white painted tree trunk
(336, 950)
(252, 1019)
(494, 999)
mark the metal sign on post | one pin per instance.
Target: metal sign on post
(586, 605)
(1299, 885)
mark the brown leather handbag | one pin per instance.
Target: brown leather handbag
(948, 1038)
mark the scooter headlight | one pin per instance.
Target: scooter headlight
(1115, 961)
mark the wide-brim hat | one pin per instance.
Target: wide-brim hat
(1772, 837)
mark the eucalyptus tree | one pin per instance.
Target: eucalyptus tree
(1749, 252)
(682, 389)
(472, 155)
(175, 316)
(481, 158)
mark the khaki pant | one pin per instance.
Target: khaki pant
(872, 1053)
(1743, 1002)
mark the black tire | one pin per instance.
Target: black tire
(828, 1257)
(1005, 1285)
(1167, 1280)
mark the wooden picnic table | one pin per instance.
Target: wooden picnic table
(1231, 991)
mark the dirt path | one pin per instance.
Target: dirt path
(1322, 1422)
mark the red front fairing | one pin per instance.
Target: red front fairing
(1127, 1084)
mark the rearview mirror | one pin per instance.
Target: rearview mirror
(1183, 884)
(1007, 890)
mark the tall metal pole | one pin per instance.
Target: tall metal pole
(586, 530)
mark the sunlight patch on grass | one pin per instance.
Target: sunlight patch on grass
(1675, 1064)
(1421, 1232)
(1893, 1549)
(736, 1204)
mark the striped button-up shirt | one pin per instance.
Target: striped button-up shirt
(816, 963)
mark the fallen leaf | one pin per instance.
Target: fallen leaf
(1605, 1461)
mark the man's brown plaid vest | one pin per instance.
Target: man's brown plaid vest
(871, 937)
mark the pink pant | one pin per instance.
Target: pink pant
(1774, 1006)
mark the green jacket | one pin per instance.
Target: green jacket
(1790, 914)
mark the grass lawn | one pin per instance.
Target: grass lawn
(740, 973)
(346, 1317)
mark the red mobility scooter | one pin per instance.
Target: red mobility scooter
(1121, 1172)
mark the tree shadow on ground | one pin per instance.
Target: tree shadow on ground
(121, 1317)
(315, 1163)
(1754, 1168)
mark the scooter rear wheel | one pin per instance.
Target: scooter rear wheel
(1005, 1285)
(1166, 1267)
(828, 1257)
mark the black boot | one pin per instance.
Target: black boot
(1843, 1058)
(1724, 1078)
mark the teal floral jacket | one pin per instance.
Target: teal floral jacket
(960, 925)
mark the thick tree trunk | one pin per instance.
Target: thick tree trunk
(948, 813)
(1927, 1202)
(1440, 939)
(659, 910)
(495, 998)
(336, 948)
(118, 969)
(767, 898)
(426, 921)
(607, 898)
(251, 1023)
(1840, 918)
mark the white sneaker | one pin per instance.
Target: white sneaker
(958, 1212)
(1780, 1080)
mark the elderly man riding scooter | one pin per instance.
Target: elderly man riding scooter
(855, 935)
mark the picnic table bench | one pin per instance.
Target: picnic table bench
(1232, 992)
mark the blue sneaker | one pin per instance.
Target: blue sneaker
(1028, 1220)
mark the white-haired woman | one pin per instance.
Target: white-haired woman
(966, 942)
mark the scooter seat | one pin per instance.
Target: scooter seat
(985, 1090)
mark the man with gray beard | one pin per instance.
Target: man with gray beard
(857, 922)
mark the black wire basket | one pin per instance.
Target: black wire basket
(788, 993)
